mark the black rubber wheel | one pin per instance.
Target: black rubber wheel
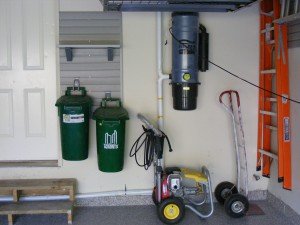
(224, 190)
(236, 205)
(154, 196)
(171, 210)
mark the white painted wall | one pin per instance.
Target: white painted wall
(291, 197)
(80, 5)
(200, 137)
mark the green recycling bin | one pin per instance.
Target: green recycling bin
(74, 113)
(110, 132)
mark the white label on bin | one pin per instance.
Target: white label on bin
(74, 118)
(111, 140)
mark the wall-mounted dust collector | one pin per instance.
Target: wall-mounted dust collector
(190, 39)
(189, 55)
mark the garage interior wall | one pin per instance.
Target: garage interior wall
(200, 137)
(91, 65)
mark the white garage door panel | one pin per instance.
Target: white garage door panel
(5, 52)
(33, 47)
(6, 113)
(28, 90)
(35, 112)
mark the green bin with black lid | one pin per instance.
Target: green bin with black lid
(110, 133)
(74, 114)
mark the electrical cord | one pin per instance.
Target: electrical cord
(147, 140)
(234, 75)
(248, 82)
(183, 42)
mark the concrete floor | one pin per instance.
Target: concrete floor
(146, 215)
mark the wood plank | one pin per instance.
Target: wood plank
(10, 219)
(40, 192)
(38, 207)
(29, 163)
(25, 184)
(16, 195)
(70, 217)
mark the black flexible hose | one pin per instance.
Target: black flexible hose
(146, 139)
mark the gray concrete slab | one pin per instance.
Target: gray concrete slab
(146, 215)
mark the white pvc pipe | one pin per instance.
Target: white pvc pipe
(161, 75)
(79, 196)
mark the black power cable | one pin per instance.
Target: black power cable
(234, 75)
(148, 140)
(248, 82)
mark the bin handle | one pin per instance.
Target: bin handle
(105, 100)
(76, 84)
(149, 125)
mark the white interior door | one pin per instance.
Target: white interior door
(28, 80)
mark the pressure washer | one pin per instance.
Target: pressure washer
(175, 188)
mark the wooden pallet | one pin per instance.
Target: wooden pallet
(34, 187)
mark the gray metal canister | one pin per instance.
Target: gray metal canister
(185, 32)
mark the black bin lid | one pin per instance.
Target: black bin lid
(104, 112)
(74, 98)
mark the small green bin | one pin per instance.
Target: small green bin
(110, 129)
(74, 112)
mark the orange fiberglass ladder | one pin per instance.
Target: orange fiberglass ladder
(274, 111)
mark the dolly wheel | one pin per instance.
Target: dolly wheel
(224, 190)
(236, 205)
(154, 196)
(171, 211)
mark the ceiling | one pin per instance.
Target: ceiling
(174, 5)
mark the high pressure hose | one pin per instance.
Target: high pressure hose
(148, 139)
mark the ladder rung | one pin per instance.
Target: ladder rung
(271, 13)
(270, 154)
(266, 30)
(282, 10)
(271, 99)
(296, 5)
(271, 127)
(267, 113)
(271, 71)
(241, 146)
(271, 42)
(287, 19)
(287, 7)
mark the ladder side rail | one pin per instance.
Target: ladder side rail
(278, 58)
(260, 137)
(267, 106)
(264, 134)
(285, 120)
(296, 5)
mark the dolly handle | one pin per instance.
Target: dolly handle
(230, 94)
(149, 125)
